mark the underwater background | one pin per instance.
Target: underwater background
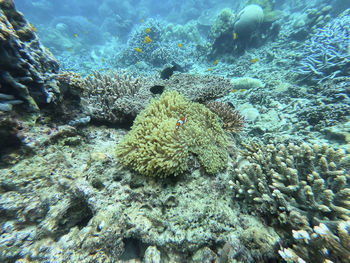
(175, 131)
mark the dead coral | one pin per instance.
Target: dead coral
(232, 120)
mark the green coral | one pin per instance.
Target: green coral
(153, 148)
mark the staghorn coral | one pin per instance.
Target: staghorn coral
(312, 181)
(326, 55)
(232, 120)
(26, 67)
(152, 147)
(114, 97)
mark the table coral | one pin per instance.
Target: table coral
(153, 148)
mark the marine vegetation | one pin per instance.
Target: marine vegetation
(152, 148)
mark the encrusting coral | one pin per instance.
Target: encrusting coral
(154, 147)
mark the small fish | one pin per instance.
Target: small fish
(137, 62)
(102, 69)
(70, 49)
(242, 90)
(148, 30)
(157, 89)
(179, 45)
(234, 36)
(88, 19)
(75, 35)
(216, 62)
(210, 69)
(142, 20)
(234, 90)
(33, 27)
(147, 40)
(179, 123)
(102, 59)
(137, 49)
(254, 60)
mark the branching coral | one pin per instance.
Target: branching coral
(153, 148)
(326, 53)
(311, 180)
(302, 186)
(199, 88)
(232, 120)
(115, 97)
(319, 244)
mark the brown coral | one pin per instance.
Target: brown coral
(199, 88)
(115, 97)
(232, 120)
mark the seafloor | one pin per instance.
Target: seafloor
(224, 158)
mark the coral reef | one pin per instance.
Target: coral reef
(247, 83)
(115, 97)
(154, 148)
(316, 177)
(199, 88)
(301, 186)
(26, 68)
(248, 20)
(326, 54)
(319, 245)
(231, 119)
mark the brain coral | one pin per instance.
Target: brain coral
(153, 148)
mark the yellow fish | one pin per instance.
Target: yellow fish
(210, 69)
(70, 49)
(147, 40)
(33, 27)
(137, 49)
(254, 60)
(234, 90)
(75, 35)
(142, 20)
(234, 36)
(137, 62)
(148, 30)
(179, 45)
(216, 62)
(242, 90)
(102, 59)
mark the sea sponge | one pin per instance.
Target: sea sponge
(153, 148)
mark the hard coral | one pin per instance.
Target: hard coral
(232, 120)
(153, 148)
(26, 67)
(115, 97)
(326, 55)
